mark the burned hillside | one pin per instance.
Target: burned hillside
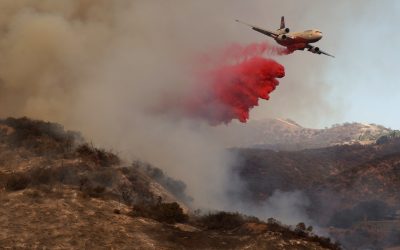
(58, 191)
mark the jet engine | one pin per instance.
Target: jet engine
(283, 31)
(315, 50)
(282, 37)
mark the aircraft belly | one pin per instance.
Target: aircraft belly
(296, 42)
(293, 42)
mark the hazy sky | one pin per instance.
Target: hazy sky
(362, 81)
(47, 52)
(365, 73)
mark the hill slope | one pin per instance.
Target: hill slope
(353, 188)
(59, 192)
(355, 172)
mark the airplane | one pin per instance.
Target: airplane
(293, 40)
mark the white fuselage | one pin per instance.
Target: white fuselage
(299, 40)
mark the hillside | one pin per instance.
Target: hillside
(267, 170)
(59, 192)
(63, 219)
(346, 184)
(285, 134)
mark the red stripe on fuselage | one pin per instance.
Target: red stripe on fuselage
(297, 42)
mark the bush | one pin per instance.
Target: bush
(326, 242)
(34, 194)
(94, 192)
(99, 156)
(40, 176)
(41, 137)
(163, 212)
(17, 181)
(104, 177)
(176, 187)
(301, 226)
(382, 140)
(66, 174)
(137, 191)
(300, 230)
(222, 221)
(90, 189)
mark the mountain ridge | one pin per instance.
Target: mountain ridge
(286, 134)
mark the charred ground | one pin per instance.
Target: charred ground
(58, 191)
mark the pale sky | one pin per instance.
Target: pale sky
(362, 82)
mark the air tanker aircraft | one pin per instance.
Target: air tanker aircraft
(293, 40)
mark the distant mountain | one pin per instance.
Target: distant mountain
(285, 134)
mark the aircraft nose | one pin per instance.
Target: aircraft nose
(318, 35)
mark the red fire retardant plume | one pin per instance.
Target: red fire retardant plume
(239, 77)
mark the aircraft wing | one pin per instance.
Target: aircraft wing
(319, 52)
(263, 31)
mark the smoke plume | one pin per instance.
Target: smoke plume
(100, 67)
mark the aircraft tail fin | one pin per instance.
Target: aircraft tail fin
(282, 22)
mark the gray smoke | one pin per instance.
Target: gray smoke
(100, 66)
